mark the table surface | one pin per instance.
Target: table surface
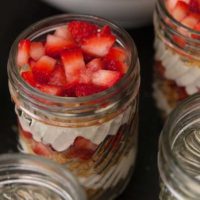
(16, 15)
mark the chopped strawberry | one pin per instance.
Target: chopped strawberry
(191, 20)
(105, 30)
(117, 53)
(179, 41)
(58, 77)
(95, 65)
(50, 89)
(64, 33)
(197, 28)
(28, 77)
(180, 11)
(82, 148)
(69, 90)
(55, 45)
(87, 89)
(81, 30)
(98, 45)
(41, 149)
(43, 69)
(36, 50)
(115, 65)
(26, 134)
(23, 52)
(105, 78)
(194, 6)
(73, 62)
(170, 4)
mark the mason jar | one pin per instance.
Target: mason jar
(177, 54)
(107, 121)
(34, 178)
(179, 152)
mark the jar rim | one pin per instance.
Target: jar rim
(38, 93)
(66, 182)
(165, 143)
(162, 6)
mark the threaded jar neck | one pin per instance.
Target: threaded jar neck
(175, 34)
(107, 101)
(179, 143)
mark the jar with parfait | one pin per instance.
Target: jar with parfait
(75, 81)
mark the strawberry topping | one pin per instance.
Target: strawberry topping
(81, 30)
(77, 59)
(23, 52)
(43, 69)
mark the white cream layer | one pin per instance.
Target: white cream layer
(60, 138)
(176, 69)
(113, 176)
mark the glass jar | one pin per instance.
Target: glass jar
(177, 57)
(29, 177)
(107, 121)
(179, 152)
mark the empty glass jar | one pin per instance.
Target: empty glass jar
(179, 153)
(26, 177)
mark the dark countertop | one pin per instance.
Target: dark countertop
(16, 15)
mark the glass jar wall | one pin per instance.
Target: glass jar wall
(179, 152)
(30, 177)
(177, 53)
(93, 136)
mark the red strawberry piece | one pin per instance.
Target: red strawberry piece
(179, 41)
(180, 11)
(64, 33)
(23, 52)
(191, 20)
(41, 149)
(170, 4)
(105, 78)
(43, 69)
(106, 30)
(98, 45)
(85, 76)
(26, 134)
(73, 62)
(115, 65)
(82, 148)
(95, 65)
(69, 90)
(58, 77)
(81, 30)
(55, 45)
(117, 53)
(87, 89)
(50, 89)
(196, 28)
(194, 6)
(36, 50)
(28, 77)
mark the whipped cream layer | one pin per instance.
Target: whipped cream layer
(60, 138)
(185, 74)
(113, 175)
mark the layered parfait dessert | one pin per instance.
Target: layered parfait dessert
(75, 61)
(177, 63)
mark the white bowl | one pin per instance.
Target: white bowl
(128, 13)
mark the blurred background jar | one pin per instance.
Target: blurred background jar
(93, 136)
(177, 52)
(179, 152)
(33, 178)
